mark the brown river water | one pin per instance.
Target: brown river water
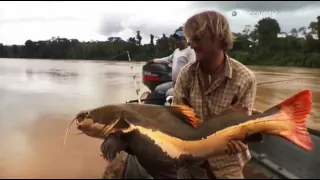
(39, 98)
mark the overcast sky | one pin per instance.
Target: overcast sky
(20, 21)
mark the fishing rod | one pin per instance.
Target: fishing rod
(134, 79)
(132, 73)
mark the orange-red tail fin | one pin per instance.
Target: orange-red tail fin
(298, 107)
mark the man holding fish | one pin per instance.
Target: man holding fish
(215, 82)
(167, 141)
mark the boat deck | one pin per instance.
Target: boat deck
(279, 158)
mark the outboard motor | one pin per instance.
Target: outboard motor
(155, 74)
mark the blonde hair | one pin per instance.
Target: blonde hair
(212, 22)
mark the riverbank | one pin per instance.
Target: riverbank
(292, 60)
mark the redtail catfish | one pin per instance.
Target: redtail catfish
(175, 134)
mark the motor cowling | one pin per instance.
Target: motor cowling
(155, 74)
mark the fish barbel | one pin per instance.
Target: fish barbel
(175, 133)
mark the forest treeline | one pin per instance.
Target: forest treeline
(261, 44)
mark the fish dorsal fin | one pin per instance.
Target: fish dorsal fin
(237, 108)
(185, 113)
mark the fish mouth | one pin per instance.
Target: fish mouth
(81, 125)
(89, 127)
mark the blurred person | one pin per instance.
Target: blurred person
(181, 56)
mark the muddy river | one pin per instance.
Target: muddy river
(38, 98)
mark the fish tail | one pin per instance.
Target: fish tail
(296, 110)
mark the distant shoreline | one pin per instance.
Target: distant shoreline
(142, 61)
(74, 60)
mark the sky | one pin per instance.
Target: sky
(95, 20)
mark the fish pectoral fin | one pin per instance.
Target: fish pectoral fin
(185, 113)
(122, 123)
(112, 145)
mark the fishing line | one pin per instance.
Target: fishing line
(117, 55)
(258, 84)
(279, 81)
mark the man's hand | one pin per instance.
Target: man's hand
(235, 147)
(150, 61)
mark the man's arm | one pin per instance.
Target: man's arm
(180, 92)
(165, 60)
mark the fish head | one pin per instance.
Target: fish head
(98, 123)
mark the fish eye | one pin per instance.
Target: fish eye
(83, 115)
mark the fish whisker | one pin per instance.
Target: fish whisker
(67, 131)
(74, 134)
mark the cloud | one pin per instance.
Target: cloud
(281, 6)
(148, 20)
(147, 29)
(27, 20)
(111, 24)
(95, 20)
(289, 14)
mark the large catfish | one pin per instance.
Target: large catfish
(174, 135)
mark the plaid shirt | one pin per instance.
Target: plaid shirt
(236, 85)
